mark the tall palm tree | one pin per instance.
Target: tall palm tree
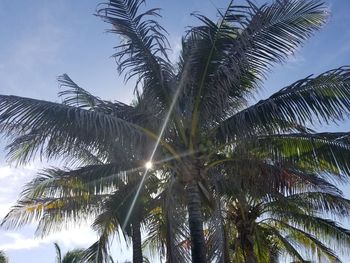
(220, 64)
(202, 100)
(99, 189)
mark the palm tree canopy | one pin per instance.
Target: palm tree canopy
(188, 118)
(284, 218)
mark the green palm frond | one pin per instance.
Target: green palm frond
(273, 178)
(166, 226)
(56, 196)
(109, 221)
(324, 98)
(271, 33)
(309, 203)
(99, 251)
(323, 229)
(321, 153)
(75, 96)
(231, 55)
(73, 256)
(53, 214)
(58, 253)
(142, 53)
(52, 129)
(333, 205)
(286, 243)
(92, 179)
(203, 51)
(316, 249)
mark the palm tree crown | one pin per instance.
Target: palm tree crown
(188, 119)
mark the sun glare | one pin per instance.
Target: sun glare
(149, 165)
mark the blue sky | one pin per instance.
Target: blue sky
(42, 39)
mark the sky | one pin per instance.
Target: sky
(42, 39)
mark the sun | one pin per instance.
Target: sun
(149, 165)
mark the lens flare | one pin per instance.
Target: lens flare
(149, 165)
(165, 123)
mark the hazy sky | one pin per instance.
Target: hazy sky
(41, 39)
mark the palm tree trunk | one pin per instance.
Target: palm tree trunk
(226, 246)
(248, 250)
(169, 241)
(136, 243)
(195, 222)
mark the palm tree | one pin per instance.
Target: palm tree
(73, 256)
(202, 100)
(3, 257)
(269, 210)
(57, 196)
(220, 64)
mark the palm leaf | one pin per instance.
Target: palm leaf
(318, 249)
(47, 125)
(73, 256)
(286, 244)
(322, 153)
(143, 50)
(75, 96)
(58, 253)
(324, 98)
(231, 55)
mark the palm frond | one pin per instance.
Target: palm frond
(58, 253)
(73, 256)
(288, 246)
(142, 52)
(321, 153)
(99, 251)
(73, 95)
(166, 227)
(319, 250)
(53, 214)
(57, 196)
(235, 53)
(91, 179)
(203, 51)
(262, 177)
(271, 33)
(333, 205)
(324, 98)
(323, 229)
(52, 129)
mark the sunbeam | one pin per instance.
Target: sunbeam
(165, 123)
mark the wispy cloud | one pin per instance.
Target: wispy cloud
(77, 237)
(12, 180)
(175, 44)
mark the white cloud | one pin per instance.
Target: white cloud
(12, 180)
(176, 46)
(73, 238)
